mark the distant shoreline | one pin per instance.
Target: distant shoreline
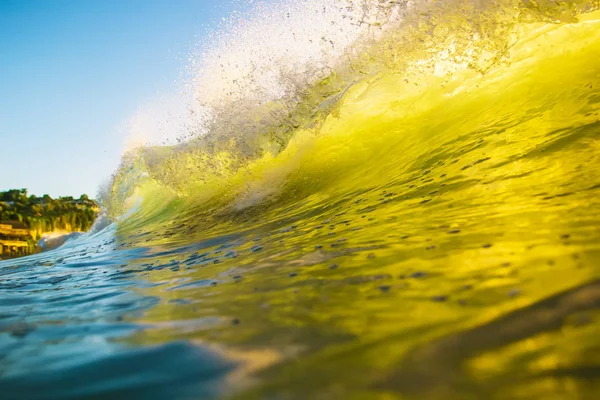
(25, 219)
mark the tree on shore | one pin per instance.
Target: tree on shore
(45, 214)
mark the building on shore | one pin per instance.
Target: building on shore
(14, 239)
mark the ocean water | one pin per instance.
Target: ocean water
(398, 200)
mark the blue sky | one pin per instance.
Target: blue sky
(73, 71)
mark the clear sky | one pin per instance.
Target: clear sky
(73, 71)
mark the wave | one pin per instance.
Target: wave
(267, 87)
(359, 187)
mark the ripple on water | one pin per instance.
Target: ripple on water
(177, 370)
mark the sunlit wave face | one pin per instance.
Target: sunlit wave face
(283, 68)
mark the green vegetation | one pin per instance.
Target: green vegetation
(45, 214)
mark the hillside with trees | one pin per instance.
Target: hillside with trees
(45, 214)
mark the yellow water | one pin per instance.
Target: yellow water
(433, 236)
